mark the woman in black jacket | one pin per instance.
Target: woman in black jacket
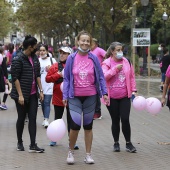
(25, 71)
(3, 72)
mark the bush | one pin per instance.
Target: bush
(154, 49)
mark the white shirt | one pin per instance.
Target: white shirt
(46, 87)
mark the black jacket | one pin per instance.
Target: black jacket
(3, 73)
(165, 63)
(22, 70)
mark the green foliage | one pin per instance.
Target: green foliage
(154, 49)
(6, 18)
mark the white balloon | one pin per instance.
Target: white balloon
(56, 130)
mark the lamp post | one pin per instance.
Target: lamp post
(164, 17)
(144, 4)
(67, 27)
(112, 12)
(136, 22)
(77, 25)
(93, 26)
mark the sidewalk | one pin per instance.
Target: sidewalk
(150, 135)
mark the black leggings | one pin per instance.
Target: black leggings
(29, 107)
(4, 98)
(119, 109)
(59, 110)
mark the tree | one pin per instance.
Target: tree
(6, 17)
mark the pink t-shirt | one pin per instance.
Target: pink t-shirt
(9, 56)
(168, 72)
(118, 88)
(84, 79)
(33, 89)
(100, 53)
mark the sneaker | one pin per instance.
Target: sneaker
(36, 149)
(46, 124)
(96, 116)
(130, 147)
(116, 147)
(70, 157)
(3, 107)
(76, 147)
(43, 122)
(161, 88)
(20, 147)
(52, 143)
(88, 159)
(100, 117)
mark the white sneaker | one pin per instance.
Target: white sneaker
(46, 124)
(70, 157)
(100, 117)
(43, 122)
(88, 159)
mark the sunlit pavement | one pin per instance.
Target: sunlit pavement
(150, 136)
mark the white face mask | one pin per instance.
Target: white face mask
(43, 56)
(83, 51)
(119, 55)
(159, 48)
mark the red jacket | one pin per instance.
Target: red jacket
(53, 76)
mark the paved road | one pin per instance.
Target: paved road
(150, 135)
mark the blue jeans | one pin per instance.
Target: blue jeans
(46, 105)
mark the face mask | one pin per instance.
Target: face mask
(43, 56)
(83, 51)
(159, 48)
(119, 55)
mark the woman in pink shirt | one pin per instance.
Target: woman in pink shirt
(120, 79)
(83, 81)
(166, 88)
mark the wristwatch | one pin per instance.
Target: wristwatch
(41, 90)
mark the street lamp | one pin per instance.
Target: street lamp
(93, 25)
(164, 17)
(136, 22)
(67, 27)
(144, 4)
(77, 25)
(112, 13)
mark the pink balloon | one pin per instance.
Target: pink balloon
(139, 103)
(153, 105)
(56, 130)
(61, 86)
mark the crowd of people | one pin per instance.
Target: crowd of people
(88, 75)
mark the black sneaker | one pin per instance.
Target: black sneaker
(36, 149)
(116, 147)
(130, 147)
(20, 147)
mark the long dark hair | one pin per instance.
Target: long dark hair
(11, 48)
